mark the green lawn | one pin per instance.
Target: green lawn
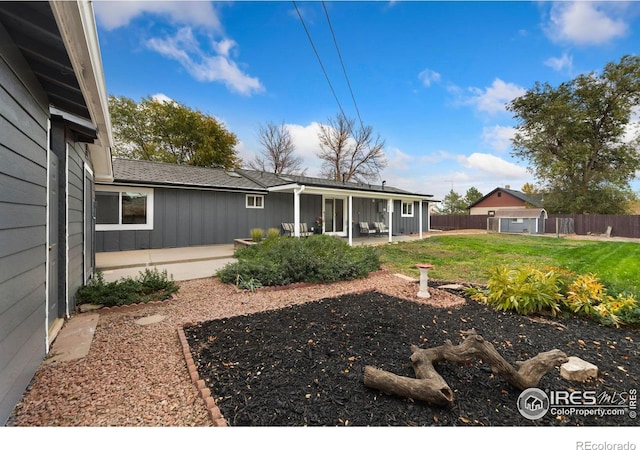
(467, 258)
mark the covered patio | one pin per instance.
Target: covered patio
(342, 207)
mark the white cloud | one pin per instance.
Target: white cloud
(162, 98)
(495, 98)
(398, 160)
(498, 137)
(185, 48)
(428, 76)
(562, 63)
(111, 15)
(224, 46)
(586, 23)
(305, 138)
(491, 164)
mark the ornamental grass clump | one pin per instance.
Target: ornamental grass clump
(257, 234)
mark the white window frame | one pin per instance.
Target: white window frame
(403, 209)
(127, 226)
(255, 197)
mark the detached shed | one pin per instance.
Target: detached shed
(524, 220)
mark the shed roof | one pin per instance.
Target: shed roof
(523, 213)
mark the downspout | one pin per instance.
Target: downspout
(296, 210)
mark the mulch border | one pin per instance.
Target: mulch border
(205, 393)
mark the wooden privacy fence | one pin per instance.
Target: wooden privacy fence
(583, 224)
(458, 222)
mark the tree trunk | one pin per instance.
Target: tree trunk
(429, 386)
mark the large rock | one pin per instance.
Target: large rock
(577, 369)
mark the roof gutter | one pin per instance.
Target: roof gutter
(76, 22)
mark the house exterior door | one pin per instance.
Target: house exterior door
(52, 269)
(334, 215)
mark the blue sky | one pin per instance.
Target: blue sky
(432, 78)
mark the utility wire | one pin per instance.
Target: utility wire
(344, 70)
(319, 60)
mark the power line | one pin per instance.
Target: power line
(344, 70)
(319, 60)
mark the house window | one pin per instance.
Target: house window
(255, 201)
(407, 209)
(517, 220)
(119, 208)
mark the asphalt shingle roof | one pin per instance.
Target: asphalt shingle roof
(150, 172)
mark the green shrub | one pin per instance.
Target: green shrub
(150, 285)
(525, 290)
(257, 234)
(285, 260)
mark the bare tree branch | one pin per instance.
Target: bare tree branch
(278, 152)
(350, 154)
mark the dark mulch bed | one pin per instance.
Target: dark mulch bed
(303, 365)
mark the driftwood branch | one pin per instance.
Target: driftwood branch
(429, 386)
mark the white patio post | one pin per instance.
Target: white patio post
(390, 217)
(296, 211)
(420, 218)
(424, 280)
(350, 225)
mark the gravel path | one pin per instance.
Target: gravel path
(136, 375)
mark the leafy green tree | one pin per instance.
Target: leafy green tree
(472, 196)
(574, 138)
(169, 131)
(453, 203)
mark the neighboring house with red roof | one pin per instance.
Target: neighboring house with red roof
(505, 198)
(510, 211)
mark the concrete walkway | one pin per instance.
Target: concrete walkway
(184, 263)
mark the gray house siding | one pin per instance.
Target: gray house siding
(189, 217)
(77, 216)
(23, 200)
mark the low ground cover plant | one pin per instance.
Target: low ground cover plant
(279, 260)
(551, 290)
(149, 285)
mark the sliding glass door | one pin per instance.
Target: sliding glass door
(334, 215)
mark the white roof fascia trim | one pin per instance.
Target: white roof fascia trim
(244, 190)
(347, 192)
(76, 22)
